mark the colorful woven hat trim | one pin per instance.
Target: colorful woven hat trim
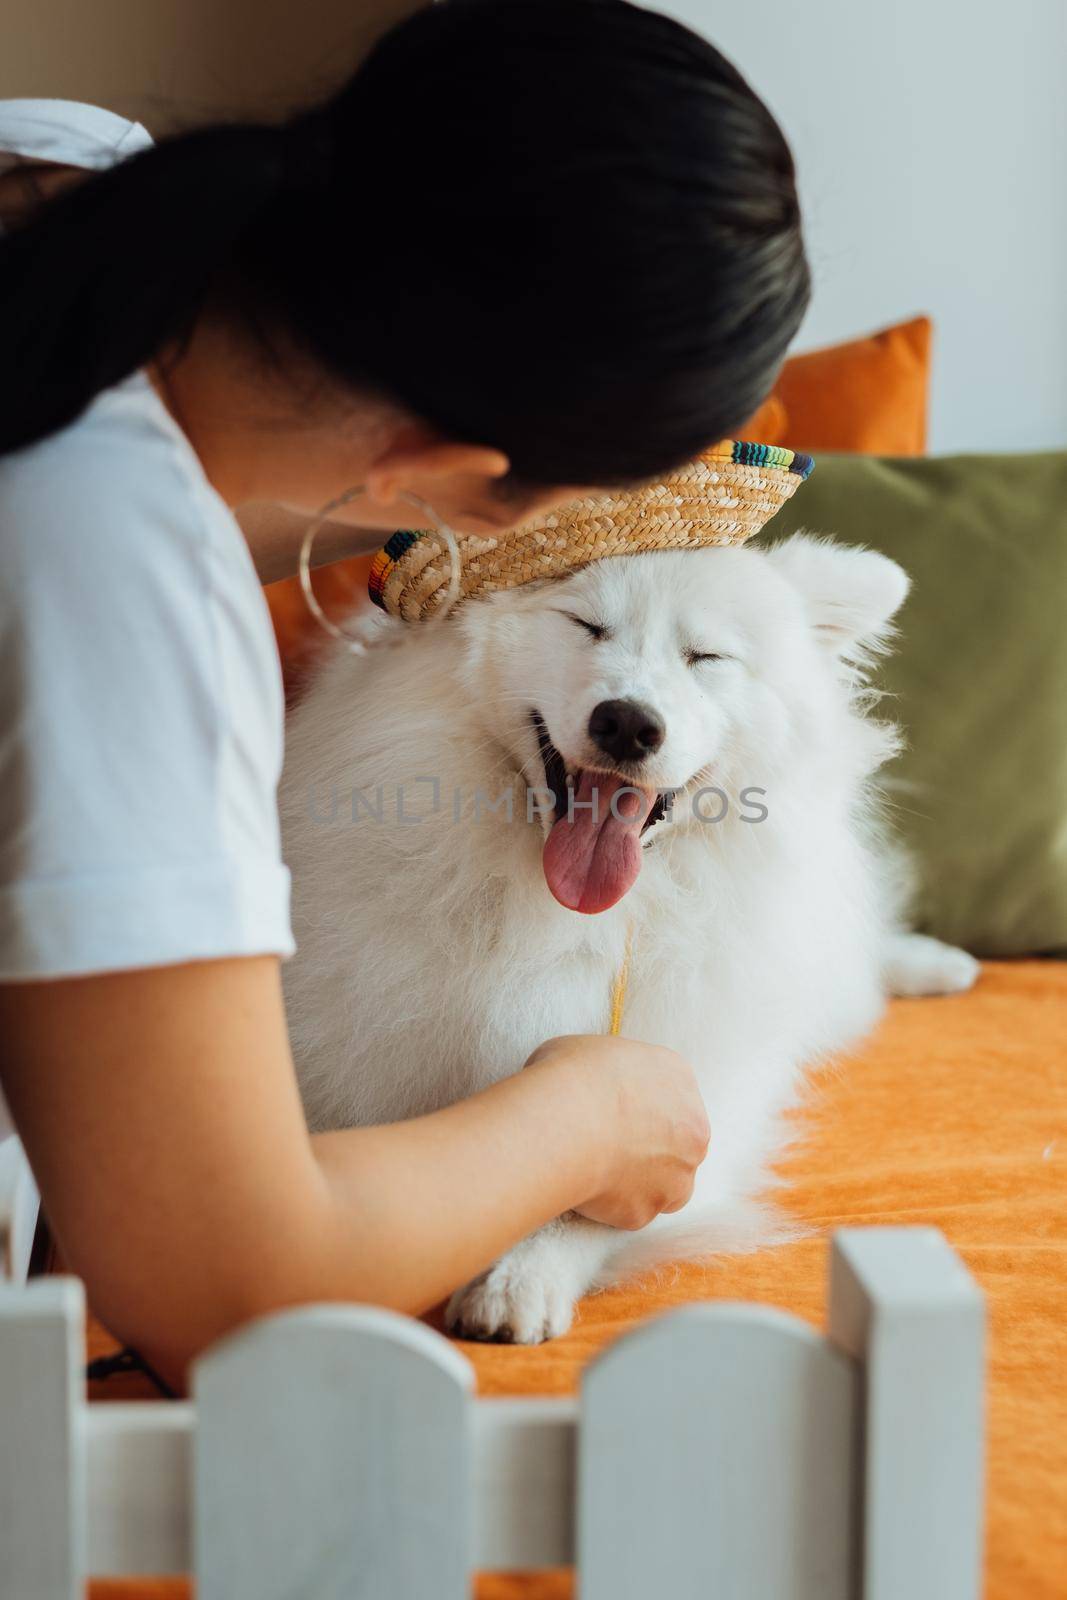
(765, 455)
(395, 546)
(723, 497)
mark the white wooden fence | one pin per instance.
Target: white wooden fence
(719, 1452)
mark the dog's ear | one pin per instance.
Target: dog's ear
(851, 594)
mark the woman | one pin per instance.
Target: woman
(532, 247)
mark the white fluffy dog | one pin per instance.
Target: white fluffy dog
(479, 821)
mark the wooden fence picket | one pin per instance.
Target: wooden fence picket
(904, 1305)
(333, 1461)
(42, 1440)
(715, 1462)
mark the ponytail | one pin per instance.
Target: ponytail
(112, 270)
(567, 229)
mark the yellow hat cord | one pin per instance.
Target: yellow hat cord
(619, 987)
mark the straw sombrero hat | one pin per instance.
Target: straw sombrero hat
(723, 497)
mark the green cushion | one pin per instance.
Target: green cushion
(978, 679)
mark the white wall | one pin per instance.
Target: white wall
(931, 140)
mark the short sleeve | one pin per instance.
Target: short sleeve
(141, 717)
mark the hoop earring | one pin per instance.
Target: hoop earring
(311, 600)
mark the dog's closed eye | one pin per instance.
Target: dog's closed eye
(595, 630)
(695, 657)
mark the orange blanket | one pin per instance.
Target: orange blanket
(954, 1115)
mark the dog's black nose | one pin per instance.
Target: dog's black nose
(626, 730)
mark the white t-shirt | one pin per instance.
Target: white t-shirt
(141, 711)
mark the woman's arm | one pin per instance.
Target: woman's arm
(160, 1111)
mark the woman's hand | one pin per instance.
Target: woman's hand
(654, 1128)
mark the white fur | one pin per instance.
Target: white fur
(432, 958)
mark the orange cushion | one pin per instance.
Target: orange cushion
(339, 588)
(868, 396)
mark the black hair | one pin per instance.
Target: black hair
(564, 228)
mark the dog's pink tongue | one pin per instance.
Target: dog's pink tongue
(591, 861)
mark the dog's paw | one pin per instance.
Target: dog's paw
(508, 1305)
(916, 965)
